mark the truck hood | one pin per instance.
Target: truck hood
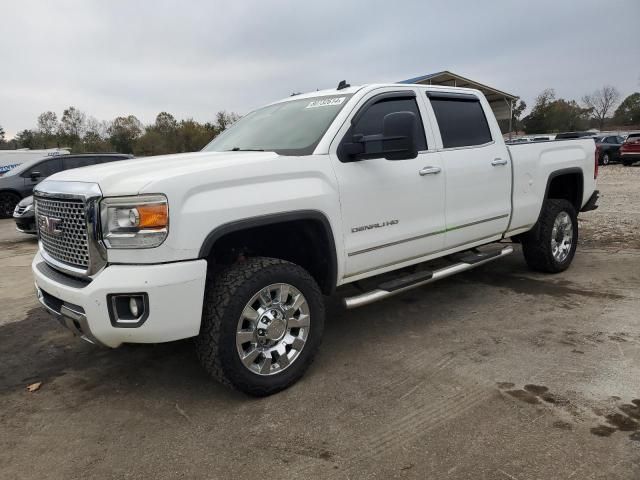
(130, 177)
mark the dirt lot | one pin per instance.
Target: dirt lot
(498, 373)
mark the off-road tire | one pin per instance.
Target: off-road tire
(226, 294)
(536, 244)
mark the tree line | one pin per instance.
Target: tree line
(600, 109)
(81, 133)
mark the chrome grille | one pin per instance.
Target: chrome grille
(70, 245)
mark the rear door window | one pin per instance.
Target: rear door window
(461, 120)
(77, 162)
(111, 158)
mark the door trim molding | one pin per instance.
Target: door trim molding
(425, 235)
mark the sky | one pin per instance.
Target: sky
(194, 58)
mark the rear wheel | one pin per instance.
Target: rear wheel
(262, 324)
(8, 202)
(551, 244)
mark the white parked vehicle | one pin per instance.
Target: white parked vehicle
(237, 244)
(13, 158)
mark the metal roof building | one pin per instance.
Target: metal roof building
(501, 102)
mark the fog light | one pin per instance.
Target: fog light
(128, 310)
(133, 307)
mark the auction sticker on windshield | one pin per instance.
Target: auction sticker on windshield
(327, 102)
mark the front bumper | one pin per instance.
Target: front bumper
(25, 225)
(630, 157)
(175, 292)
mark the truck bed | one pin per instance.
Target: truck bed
(533, 167)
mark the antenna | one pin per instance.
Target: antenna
(343, 84)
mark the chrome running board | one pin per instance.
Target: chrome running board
(399, 285)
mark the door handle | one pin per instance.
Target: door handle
(499, 161)
(429, 171)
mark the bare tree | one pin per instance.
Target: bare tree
(601, 102)
(48, 123)
(73, 123)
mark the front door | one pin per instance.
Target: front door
(392, 210)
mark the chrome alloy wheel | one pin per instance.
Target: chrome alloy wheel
(273, 329)
(562, 237)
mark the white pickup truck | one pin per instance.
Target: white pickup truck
(237, 244)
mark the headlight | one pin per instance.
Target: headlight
(134, 222)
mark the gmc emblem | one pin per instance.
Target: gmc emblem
(49, 225)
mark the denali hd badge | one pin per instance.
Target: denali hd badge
(387, 223)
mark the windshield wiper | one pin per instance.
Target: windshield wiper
(238, 149)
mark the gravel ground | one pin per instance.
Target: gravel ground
(616, 224)
(497, 373)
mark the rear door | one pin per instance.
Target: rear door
(392, 210)
(477, 165)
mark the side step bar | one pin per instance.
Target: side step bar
(399, 285)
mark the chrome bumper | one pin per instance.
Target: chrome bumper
(70, 316)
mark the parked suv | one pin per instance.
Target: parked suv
(19, 182)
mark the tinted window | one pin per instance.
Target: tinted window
(111, 158)
(372, 120)
(46, 168)
(462, 122)
(77, 162)
(619, 140)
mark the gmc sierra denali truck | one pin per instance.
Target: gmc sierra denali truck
(238, 244)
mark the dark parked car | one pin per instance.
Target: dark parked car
(18, 182)
(608, 148)
(24, 216)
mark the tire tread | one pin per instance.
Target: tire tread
(220, 292)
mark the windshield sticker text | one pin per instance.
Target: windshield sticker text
(328, 102)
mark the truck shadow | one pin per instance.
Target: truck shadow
(38, 349)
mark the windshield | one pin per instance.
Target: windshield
(292, 127)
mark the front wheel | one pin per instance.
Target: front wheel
(262, 324)
(551, 244)
(605, 159)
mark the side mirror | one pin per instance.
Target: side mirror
(35, 176)
(397, 141)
